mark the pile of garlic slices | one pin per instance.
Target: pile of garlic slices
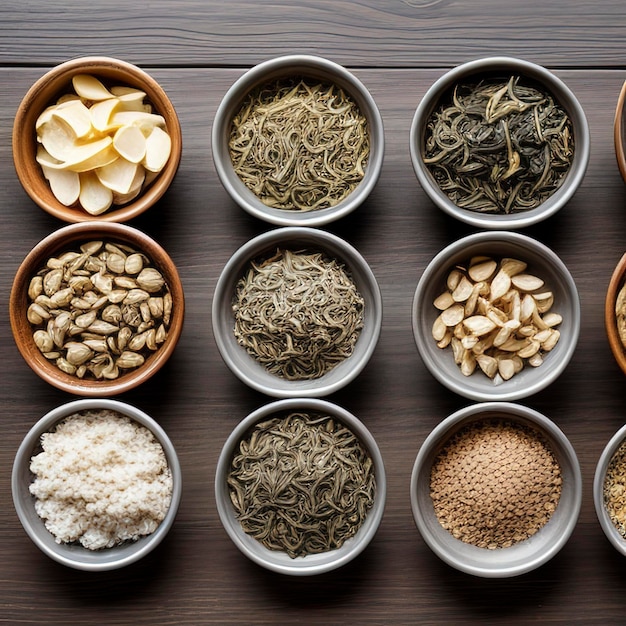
(100, 147)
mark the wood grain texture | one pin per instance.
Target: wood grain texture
(197, 575)
(365, 33)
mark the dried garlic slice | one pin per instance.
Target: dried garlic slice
(130, 143)
(90, 88)
(158, 150)
(65, 184)
(94, 197)
(119, 175)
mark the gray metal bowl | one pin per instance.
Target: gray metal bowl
(316, 68)
(541, 261)
(76, 556)
(250, 371)
(525, 555)
(610, 530)
(502, 66)
(280, 561)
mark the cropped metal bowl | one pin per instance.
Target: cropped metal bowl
(523, 556)
(315, 68)
(59, 241)
(45, 91)
(248, 369)
(501, 67)
(616, 539)
(542, 262)
(278, 561)
(75, 555)
(617, 281)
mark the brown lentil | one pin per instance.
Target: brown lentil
(615, 489)
(495, 483)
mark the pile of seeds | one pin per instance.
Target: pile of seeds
(297, 313)
(615, 489)
(496, 316)
(301, 483)
(299, 145)
(100, 310)
(495, 483)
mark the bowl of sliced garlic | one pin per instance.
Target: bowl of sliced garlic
(96, 138)
(96, 308)
(496, 316)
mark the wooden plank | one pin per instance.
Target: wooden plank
(358, 33)
(197, 575)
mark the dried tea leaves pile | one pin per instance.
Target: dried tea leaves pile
(298, 313)
(100, 310)
(499, 147)
(495, 483)
(495, 315)
(299, 145)
(301, 484)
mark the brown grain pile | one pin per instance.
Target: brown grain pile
(615, 490)
(495, 483)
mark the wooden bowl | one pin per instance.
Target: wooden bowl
(619, 132)
(71, 237)
(615, 284)
(46, 91)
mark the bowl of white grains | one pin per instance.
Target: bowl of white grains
(499, 143)
(496, 490)
(300, 486)
(298, 141)
(496, 316)
(609, 490)
(96, 484)
(297, 312)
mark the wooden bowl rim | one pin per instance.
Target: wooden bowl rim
(618, 127)
(615, 283)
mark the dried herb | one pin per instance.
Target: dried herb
(298, 313)
(301, 483)
(299, 145)
(499, 147)
(495, 483)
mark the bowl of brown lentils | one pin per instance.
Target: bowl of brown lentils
(96, 308)
(609, 490)
(496, 490)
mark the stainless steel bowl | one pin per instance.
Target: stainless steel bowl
(249, 370)
(278, 561)
(316, 68)
(542, 262)
(501, 66)
(523, 556)
(72, 555)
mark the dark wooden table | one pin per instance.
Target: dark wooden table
(197, 49)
